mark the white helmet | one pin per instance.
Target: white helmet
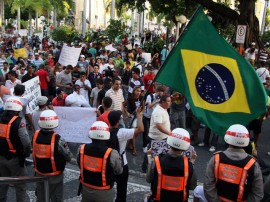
(48, 119)
(13, 104)
(179, 139)
(237, 135)
(99, 131)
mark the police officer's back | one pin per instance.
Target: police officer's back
(50, 154)
(98, 165)
(14, 147)
(233, 175)
(171, 175)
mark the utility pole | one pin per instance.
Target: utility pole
(84, 19)
(113, 9)
(90, 12)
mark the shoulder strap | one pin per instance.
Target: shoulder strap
(159, 173)
(113, 141)
(216, 165)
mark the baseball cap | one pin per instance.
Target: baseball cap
(82, 56)
(36, 54)
(42, 100)
(253, 43)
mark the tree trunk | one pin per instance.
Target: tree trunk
(246, 17)
(2, 18)
(36, 21)
(90, 12)
(30, 24)
(55, 17)
(19, 19)
(84, 19)
(113, 9)
(104, 17)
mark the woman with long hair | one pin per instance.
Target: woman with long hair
(130, 106)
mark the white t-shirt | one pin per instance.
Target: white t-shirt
(75, 100)
(84, 92)
(251, 56)
(263, 73)
(159, 115)
(124, 135)
(94, 95)
(10, 85)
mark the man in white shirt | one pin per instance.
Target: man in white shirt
(116, 94)
(12, 81)
(160, 120)
(263, 72)
(76, 99)
(85, 86)
(118, 141)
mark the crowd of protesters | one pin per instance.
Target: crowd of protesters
(120, 86)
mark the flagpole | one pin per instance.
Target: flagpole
(166, 59)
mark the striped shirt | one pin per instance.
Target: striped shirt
(117, 98)
(134, 83)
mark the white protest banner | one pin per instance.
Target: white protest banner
(32, 91)
(110, 48)
(74, 123)
(69, 55)
(147, 57)
(159, 147)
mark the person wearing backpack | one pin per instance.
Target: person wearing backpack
(118, 141)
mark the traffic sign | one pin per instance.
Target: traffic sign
(241, 34)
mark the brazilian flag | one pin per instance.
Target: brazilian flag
(221, 87)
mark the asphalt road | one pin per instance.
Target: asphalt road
(137, 186)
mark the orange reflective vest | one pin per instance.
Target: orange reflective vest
(45, 152)
(5, 133)
(94, 168)
(232, 177)
(171, 183)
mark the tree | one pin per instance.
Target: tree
(244, 14)
(116, 28)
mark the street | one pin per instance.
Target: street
(137, 185)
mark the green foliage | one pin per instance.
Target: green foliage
(116, 28)
(24, 24)
(266, 39)
(64, 34)
(154, 46)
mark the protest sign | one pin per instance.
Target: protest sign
(32, 91)
(21, 52)
(74, 123)
(69, 55)
(159, 147)
(147, 57)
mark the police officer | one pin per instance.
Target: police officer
(171, 175)
(50, 161)
(14, 147)
(98, 165)
(233, 175)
